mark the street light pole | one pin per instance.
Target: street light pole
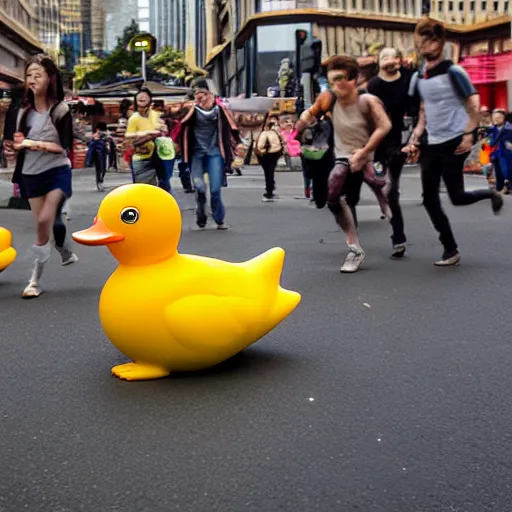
(143, 65)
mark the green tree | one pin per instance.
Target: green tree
(170, 62)
(119, 62)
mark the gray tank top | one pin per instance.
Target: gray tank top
(351, 129)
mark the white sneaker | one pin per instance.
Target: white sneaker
(33, 289)
(353, 260)
(68, 257)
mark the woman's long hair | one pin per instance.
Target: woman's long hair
(55, 92)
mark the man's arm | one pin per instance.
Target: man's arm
(419, 128)
(381, 121)
(472, 106)
(321, 106)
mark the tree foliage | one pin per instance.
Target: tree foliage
(120, 62)
(168, 64)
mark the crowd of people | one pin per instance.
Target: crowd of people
(341, 139)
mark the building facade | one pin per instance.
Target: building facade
(168, 22)
(18, 41)
(248, 35)
(71, 41)
(98, 21)
(48, 24)
(118, 14)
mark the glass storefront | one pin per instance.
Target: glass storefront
(275, 43)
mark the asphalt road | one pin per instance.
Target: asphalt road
(386, 390)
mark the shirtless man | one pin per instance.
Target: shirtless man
(360, 123)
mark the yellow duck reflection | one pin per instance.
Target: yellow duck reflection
(177, 312)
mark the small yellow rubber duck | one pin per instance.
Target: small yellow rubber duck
(175, 312)
(7, 252)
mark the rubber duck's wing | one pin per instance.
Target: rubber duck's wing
(210, 321)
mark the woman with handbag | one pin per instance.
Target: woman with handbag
(269, 148)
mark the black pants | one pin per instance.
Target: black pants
(59, 228)
(392, 159)
(440, 160)
(269, 163)
(318, 171)
(100, 161)
(499, 177)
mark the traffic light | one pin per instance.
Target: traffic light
(143, 42)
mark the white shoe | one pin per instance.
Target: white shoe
(33, 289)
(68, 257)
(353, 260)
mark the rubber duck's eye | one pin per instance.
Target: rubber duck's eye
(130, 215)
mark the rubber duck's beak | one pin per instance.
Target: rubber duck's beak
(97, 234)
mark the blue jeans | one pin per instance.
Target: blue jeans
(165, 168)
(214, 166)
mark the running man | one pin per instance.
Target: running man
(392, 87)
(450, 113)
(360, 124)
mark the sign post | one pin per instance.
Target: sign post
(146, 45)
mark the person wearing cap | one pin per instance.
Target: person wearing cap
(209, 139)
(450, 114)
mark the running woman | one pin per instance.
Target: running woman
(43, 170)
(450, 113)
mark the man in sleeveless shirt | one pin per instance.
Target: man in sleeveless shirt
(360, 123)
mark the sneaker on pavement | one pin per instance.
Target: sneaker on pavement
(449, 259)
(398, 251)
(496, 203)
(32, 291)
(223, 227)
(267, 198)
(353, 260)
(68, 257)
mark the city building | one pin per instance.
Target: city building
(71, 31)
(98, 21)
(168, 22)
(248, 35)
(18, 41)
(48, 24)
(119, 14)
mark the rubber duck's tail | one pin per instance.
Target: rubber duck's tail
(269, 264)
(286, 302)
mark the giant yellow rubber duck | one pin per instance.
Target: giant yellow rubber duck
(171, 312)
(7, 252)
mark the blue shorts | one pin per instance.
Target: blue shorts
(38, 185)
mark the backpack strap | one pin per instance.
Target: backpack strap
(58, 111)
